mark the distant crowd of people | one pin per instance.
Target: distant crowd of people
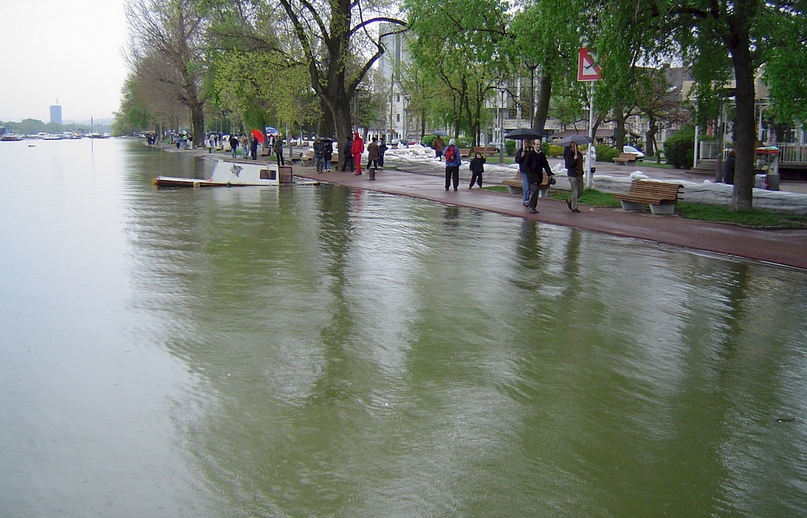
(536, 174)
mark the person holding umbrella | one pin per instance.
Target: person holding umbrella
(537, 165)
(573, 160)
(527, 136)
(524, 167)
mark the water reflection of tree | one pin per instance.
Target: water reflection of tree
(334, 238)
(572, 262)
(528, 253)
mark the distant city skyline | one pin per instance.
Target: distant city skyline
(56, 113)
(84, 68)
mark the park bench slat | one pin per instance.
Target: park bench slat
(625, 158)
(655, 194)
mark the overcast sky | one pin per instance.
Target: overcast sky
(70, 50)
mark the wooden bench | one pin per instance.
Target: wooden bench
(486, 151)
(661, 196)
(514, 186)
(626, 158)
(306, 157)
(465, 152)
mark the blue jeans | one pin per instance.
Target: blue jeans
(525, 186)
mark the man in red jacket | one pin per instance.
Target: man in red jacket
(357, 150)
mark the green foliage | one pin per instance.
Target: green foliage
(606, 153)
(510, 147)
(788, 89)
(678, 148)
(591, 197)
(457, 46)
(718, 214)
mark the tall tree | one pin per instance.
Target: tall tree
(340, 41)
(722, 40)
(174, 30)
(547, 34)
(659, 102)
(460, 44)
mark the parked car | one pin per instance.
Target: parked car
(631, 149)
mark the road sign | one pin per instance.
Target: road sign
(587, 70)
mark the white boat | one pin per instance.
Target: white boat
(236, 173)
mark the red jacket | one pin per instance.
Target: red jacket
(358, 145)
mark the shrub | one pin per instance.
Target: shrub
(606, 153)
(678, 148)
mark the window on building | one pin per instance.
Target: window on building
(398, 117)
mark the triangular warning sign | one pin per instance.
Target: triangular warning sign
(587, 69)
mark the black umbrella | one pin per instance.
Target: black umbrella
(523, 133)
(439, 133)
(577, 139)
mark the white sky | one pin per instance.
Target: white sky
(70, 50)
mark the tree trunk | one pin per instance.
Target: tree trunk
(744, 128)
(620, 128)
(198, 124)
(542, 103)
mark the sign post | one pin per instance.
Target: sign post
(587, 70)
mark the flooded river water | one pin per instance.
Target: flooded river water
(317, 351)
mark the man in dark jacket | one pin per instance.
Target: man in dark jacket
(234, 145)
(319, 155)
(573, 160)
(347, 154)
(536, 165)
(728, 169)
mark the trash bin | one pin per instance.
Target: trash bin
(773, 181)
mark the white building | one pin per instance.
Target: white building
(397, 119)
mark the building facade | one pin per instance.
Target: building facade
(56, 113)
(397, 118)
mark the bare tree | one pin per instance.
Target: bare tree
(170, 33)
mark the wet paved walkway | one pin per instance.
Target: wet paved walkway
(785, 247)
(425, 179)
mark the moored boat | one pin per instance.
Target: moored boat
(234, 173)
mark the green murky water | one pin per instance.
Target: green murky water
(316, 351)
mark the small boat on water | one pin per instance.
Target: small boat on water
(236, 173)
